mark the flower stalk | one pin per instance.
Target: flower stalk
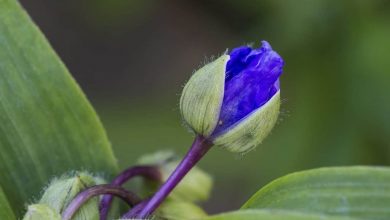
(129, 197)
(148, 172)
(199, 148)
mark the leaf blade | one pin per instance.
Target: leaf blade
(5, 209)
(253, 214)
(360, 192)
(47, 125)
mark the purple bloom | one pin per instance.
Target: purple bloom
(216, 103)
(252, 79)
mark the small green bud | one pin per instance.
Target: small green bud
(158, 158)
(61, 192)
(179, 210)
(41, 212)
(195, 186)
(202, 97)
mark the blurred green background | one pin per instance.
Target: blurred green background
(132, 57)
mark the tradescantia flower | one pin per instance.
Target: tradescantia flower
(234, 101)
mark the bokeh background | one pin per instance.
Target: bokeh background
(132, 57)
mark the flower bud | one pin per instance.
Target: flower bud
(234, 101)
(61, 192)
(195, 186)
(41, 212)
(178, 210)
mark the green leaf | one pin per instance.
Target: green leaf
(47, 126)
(5, 209)
(272, 215)
(359, 192)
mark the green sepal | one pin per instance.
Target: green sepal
(202, 96)
(41, 212)
(250, 131)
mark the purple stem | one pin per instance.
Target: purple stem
(199, 148)
(149, 172)
(88, 193)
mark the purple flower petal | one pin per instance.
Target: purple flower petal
(252, 78)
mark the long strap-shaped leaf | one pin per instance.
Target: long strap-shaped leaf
(47, 126)
(359, 192)
(272, 215)
(5, 209)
